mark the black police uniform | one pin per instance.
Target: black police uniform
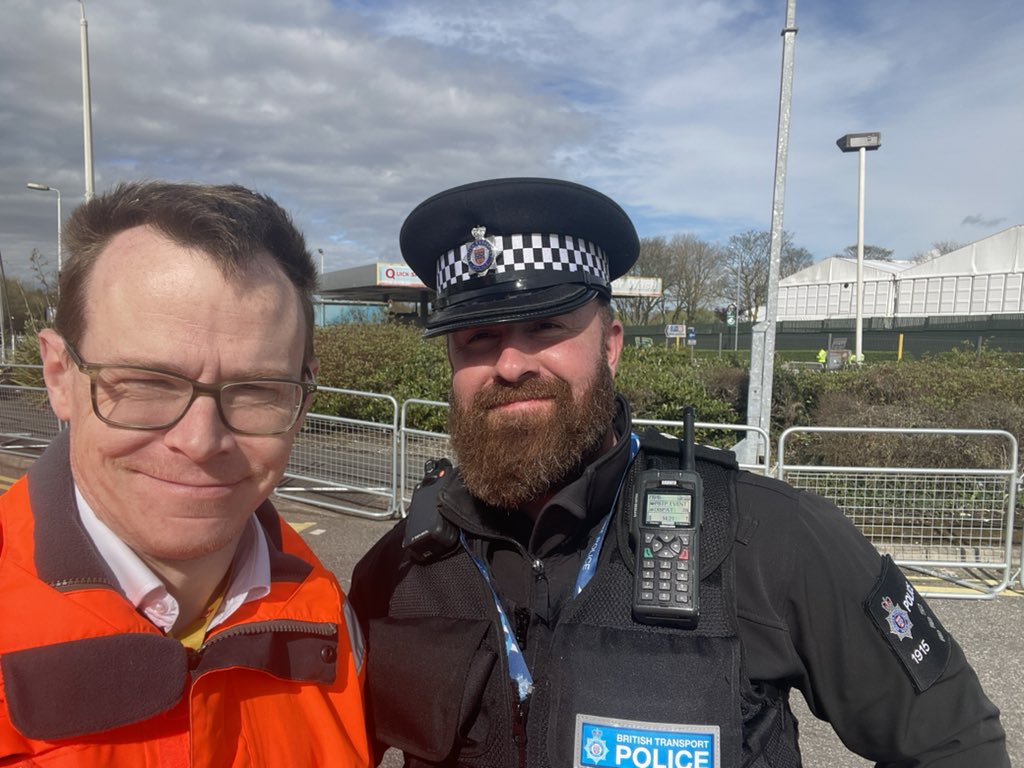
(791, 595)
(809, 593)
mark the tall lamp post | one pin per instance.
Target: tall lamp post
(860, 143)
(48, 188)
(83, 26)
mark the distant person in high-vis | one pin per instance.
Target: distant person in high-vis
(155, 610)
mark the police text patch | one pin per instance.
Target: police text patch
(910, 627)
(602, 741)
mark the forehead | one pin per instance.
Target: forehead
(146, 289)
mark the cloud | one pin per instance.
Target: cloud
(977, 220)
(352, 112)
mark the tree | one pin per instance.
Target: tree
(872, 252)
(45, 276)
(793, 260)
(696, 278)
(939, 248)
(746, 273)
(654, 261)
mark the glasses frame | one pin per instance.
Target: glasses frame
(93, 371)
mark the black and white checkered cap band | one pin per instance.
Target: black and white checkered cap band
(517, 255)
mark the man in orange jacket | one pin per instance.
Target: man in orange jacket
(154, 608)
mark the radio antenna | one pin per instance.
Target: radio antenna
(689, 462)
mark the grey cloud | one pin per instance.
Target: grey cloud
(977, 220)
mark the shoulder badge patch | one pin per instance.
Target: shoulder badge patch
(908, 625)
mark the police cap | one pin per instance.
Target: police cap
(507, 250)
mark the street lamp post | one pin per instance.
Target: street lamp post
(47, 188)
(860, 143)
(83, 26)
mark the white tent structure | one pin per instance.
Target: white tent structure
(828, 288)
(983, 278)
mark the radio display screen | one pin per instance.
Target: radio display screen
(668, 509)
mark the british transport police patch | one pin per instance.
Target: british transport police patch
(909, 626)
(617, 743)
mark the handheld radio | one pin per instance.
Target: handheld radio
(667, 511)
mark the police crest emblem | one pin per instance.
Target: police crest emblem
(480, 253)
(899, 620)
(595, 747)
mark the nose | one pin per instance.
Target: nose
(201, 433)
(514, 363)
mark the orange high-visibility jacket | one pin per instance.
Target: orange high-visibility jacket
(87, 681)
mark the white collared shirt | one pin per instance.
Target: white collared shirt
(250, 571)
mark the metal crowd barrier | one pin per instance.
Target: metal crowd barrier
(419, 445)
(27, 423)
(676, 428)
(953, 525)
(345, 464)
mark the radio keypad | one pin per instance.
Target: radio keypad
(666, 557)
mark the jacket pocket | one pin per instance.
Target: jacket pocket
(426, 679)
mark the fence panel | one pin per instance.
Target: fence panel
(676, 428)
(419, 445)
(344, 464)
(27, 423)
(952, 524)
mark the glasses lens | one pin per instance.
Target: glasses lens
(132, 397)
(261, 407)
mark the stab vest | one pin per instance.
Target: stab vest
(440, 685)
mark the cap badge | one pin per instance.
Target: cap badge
(480, 253)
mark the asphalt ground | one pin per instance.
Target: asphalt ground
(990, 631)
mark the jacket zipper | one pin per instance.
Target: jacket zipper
(321, 629)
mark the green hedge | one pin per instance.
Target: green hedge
(963, 388)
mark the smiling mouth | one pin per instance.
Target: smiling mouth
(200, 486)
(521, 402)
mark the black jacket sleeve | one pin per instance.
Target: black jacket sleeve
(373, 581)
(822, 611)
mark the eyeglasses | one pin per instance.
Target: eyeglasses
(134, 397)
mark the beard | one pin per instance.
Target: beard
(509, 459)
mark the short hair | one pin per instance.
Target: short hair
(233, 225)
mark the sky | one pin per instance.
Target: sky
(350, 113)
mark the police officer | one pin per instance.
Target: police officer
(500, 613)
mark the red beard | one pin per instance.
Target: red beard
(509, 459)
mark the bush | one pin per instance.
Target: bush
(391, 359)
(962, 388)
(956, 390)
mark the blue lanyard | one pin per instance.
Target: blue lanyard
(517, 668)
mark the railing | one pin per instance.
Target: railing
(676, 428)
(952, 524)
(347, 465)
(419, 445)
(27, 423)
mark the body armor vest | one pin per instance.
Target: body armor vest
(454, 702)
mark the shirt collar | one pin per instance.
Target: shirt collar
(250, 578)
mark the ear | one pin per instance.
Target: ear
(613, 344)
(313, 366)
(58, 372)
